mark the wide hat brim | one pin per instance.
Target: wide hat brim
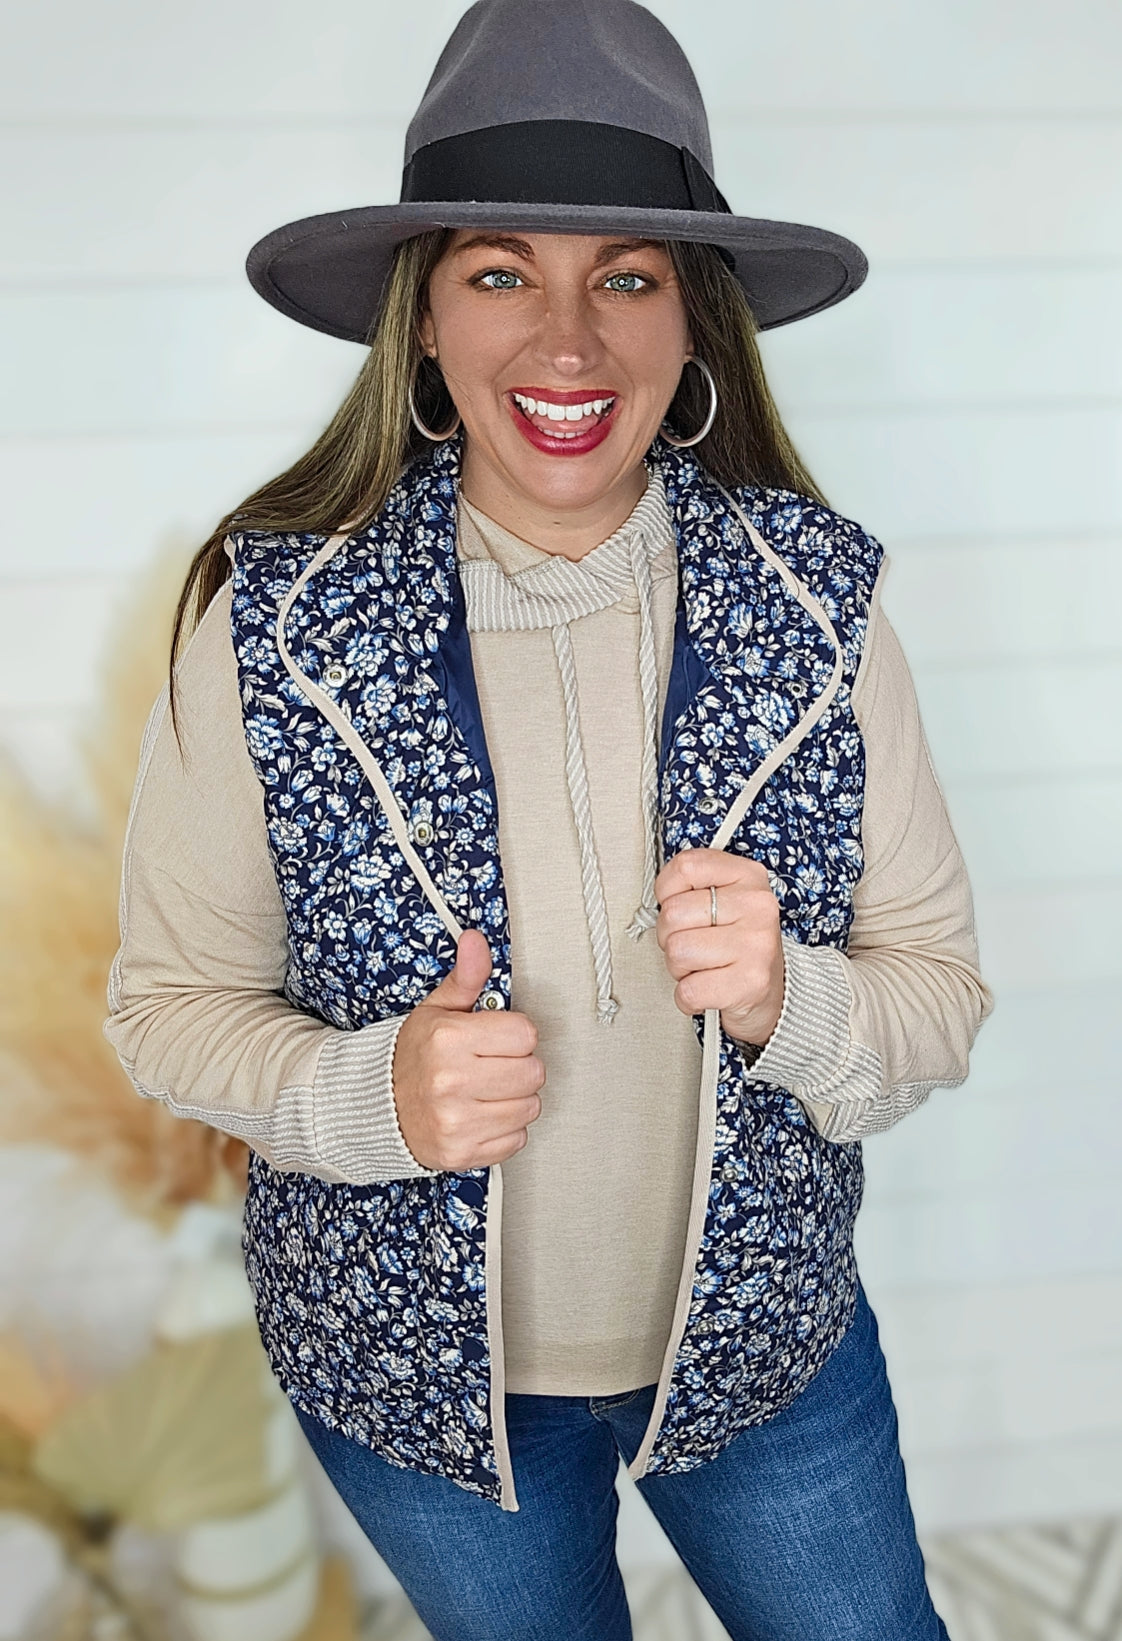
(329, 271)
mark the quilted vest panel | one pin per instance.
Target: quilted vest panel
(372, 1300)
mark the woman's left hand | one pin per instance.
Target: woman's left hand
(735, 965)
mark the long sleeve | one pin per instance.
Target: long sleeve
(197, 1011)
(865, 1035)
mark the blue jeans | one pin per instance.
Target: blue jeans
(800, 1530)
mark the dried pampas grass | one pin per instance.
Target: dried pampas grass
(60, 1081)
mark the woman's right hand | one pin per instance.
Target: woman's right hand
(466, 1080)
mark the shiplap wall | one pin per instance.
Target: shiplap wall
(965, 405)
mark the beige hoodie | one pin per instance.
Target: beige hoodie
(199, 1020)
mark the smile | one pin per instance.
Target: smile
(569, 424)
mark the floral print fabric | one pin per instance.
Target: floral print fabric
(371, 1300)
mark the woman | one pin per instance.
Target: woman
(546, 695)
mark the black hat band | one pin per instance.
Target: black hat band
(561, 162)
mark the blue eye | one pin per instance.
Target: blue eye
(498, 273)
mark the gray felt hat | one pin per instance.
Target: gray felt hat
(577, 116)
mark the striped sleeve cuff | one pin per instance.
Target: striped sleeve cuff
(810, 1046)
(348, 1118)
(812, 1055)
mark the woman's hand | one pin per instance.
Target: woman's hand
(736, 965)
(466, 1081)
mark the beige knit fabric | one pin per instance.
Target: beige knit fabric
(594, 1210)
(595, 1206)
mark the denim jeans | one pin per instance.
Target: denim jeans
(800, 1530)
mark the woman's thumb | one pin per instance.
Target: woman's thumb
(462, 985)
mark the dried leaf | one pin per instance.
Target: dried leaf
(178, 1438)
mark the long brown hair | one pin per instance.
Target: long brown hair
(347, 474)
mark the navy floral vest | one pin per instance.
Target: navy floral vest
(373, 1300)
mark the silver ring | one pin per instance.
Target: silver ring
(712, 904)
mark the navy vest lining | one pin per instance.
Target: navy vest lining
(453, 664)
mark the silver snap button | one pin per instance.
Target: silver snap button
(423, 832)
(492, 1000)
(709, 806)
(335, 674)
(730, 1172)
(703, 1324)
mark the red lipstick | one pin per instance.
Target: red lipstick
(578, 444)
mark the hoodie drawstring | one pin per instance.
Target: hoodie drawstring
(592, 883)
(554, 594)
(646, 913)
(595, 908)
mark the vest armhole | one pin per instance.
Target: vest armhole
(870, 626)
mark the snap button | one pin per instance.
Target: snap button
(335, 674)
(709, 806)
(492, 1000)
(423, 832)
(730, 1172)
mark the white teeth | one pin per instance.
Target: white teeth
(562, 413)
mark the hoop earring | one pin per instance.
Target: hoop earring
(437, 438)
(684, 444)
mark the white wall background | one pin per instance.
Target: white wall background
(965, 405)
